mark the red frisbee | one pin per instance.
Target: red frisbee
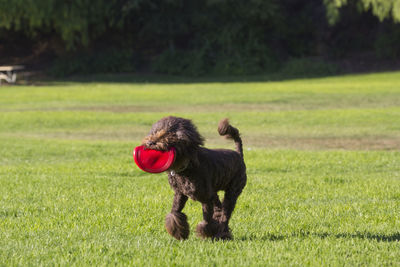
(154, 161)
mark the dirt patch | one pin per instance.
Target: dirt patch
(327, 143)
(249, 141)
(312, 103)
(163, 108)
(116, 109)
(260, 107)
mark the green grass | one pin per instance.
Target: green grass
(323, 173)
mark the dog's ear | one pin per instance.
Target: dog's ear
(186, 136)
(190, 137)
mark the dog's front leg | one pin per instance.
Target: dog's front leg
(208, 227)
(176, 221)
(179, 202)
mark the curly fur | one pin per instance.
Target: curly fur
(207, 229)
(199, 173)
(177, 225)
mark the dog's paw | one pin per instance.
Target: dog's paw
(207, 229)
(225, 235)
(177, 225)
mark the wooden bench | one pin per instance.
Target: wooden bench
(8, 73)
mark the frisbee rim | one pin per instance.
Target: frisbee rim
(171, 158)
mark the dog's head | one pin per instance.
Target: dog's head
(174, 132)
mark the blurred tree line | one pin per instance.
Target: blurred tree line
(197, 37)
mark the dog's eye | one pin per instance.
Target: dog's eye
(151, 143)
(180, 135)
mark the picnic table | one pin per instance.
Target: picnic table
(8, 73)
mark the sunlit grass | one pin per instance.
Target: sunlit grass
(323, 173)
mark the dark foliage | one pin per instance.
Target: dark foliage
(195, 37)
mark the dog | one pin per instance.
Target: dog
(199, 173)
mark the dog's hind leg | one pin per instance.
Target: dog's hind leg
(228, 205)
(176, 221)
(217, 209)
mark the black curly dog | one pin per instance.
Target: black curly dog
(199, 173)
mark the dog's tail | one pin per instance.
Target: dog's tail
(227, 130)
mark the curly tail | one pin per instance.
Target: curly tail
(227, 130)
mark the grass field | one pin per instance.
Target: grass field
(323, 173)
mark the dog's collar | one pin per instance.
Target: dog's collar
(184, 167)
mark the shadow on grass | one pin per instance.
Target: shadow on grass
(268, 237)
(170, 79)
(395, 237)
(150, 78)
